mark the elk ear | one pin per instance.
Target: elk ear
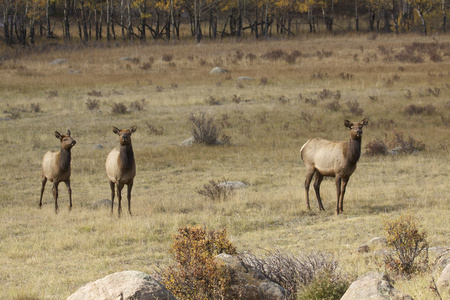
(133, 128)
(58, 135)
(365, 122)
(68, 132)
(347, 123)
(116, 130)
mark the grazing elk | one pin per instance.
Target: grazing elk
(121, 167)
(335, 159)
(56, 167)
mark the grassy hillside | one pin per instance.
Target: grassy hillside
(301, 88)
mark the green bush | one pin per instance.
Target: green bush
(409, 245)
(195, 274)
(324, 286)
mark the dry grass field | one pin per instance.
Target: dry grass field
(301, 88)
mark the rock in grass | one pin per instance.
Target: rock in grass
(375, 286)
(125, 285)
(443, 282)
(58, 61)
(218, 70)
(233, 185)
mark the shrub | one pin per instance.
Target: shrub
(333, 105)
(353, 107)
(51, 93)
(295, 273)
(408, 244)
(195, 274)
(412, 109)
(215, 190)
(154, 130)
(138, 105)
(92, 104)
(324, 286)
(409, 145)
(212, 101)
(204, 130)
(263, 81)
(167, 57)
(119, 108)
(95, 93)
(35, 107)
(376, 147)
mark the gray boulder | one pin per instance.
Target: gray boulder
(443, 282)
(58, 61)
(233, 185)
(374, 286)
(218, 70)
(123, 285)
(250, 284)
(375, 243)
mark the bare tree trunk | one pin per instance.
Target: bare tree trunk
(422, 18)
(444, 17)
(356, 16)
(66, 20)
(129, 23)
(122, 20)
(266, 21)
(108, 21)
(6, 8)
(47, 19)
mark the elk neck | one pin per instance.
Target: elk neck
(126, 156)
(64, 158)
(354, 151)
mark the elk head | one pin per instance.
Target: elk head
(356, 128)
(124, 135)
(67, 142)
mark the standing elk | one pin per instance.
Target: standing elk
(333, 159)
(56, 167)
(121, 167)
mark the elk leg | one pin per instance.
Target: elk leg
(317, 182)
(119, 195)
(70, 193)
(55, 195)
(111, 185)
(338, 191)
(309, 176)
(343, 187)
(44, 181)
(129, 187)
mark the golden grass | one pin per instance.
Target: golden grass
(49, 256)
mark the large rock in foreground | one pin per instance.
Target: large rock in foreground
(250, 284)
(123, 285)
(374, 286)
(443, 282)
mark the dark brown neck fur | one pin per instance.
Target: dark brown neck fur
(354, 151)
(64, 159)
(126, 156)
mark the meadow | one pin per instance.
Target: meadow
(300, 88)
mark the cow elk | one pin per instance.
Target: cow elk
(56, 167)
(332, 159)
(121, 167)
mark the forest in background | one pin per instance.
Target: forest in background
(25, 22)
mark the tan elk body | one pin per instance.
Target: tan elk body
(56, 167)
(335, 159)
(121, 167)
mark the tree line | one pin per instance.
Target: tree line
(129, 20)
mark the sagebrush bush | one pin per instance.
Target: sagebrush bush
(92, 104)
(413, 109)
(195, 274)
(376, 147)
(119, 108)
(407, 146)
(215, 190)
(409, 245)
(324, 286)
(295, 273)
(204, 130)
